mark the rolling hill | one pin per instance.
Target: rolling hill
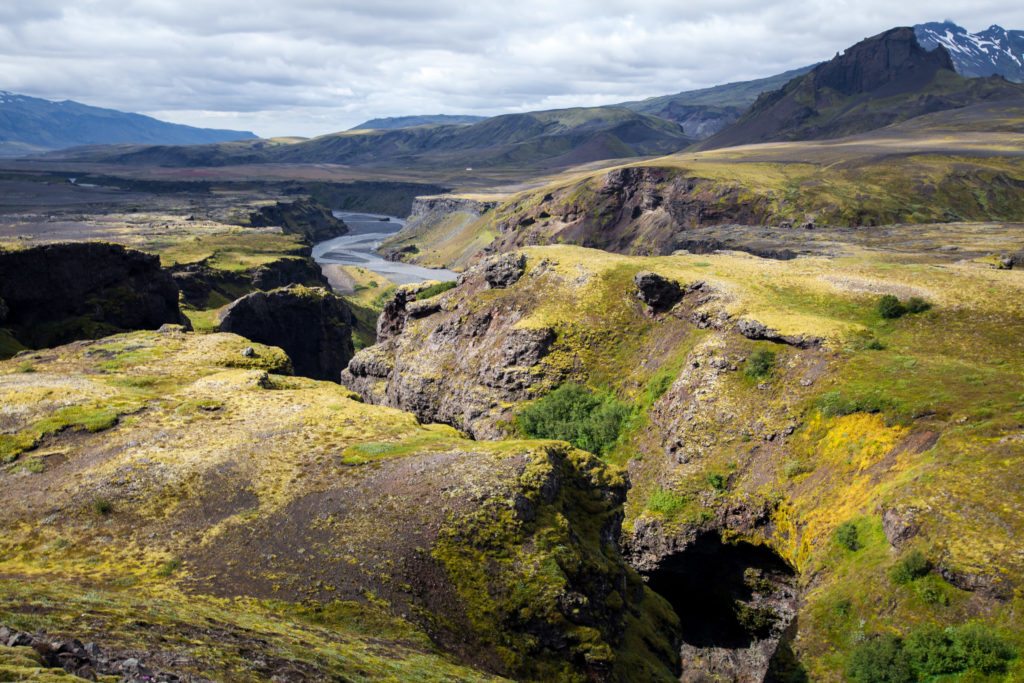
(536, 140)
(394, 122)
(704, 112)
(31, 124)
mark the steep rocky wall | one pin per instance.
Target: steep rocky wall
(57, 293)
(305, 217)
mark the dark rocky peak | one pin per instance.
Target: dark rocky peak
(313, 326)
(887, 64)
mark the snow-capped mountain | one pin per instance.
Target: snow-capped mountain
(992, 51)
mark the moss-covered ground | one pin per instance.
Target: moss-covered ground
(171, 496)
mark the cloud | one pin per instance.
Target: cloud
(315, 66)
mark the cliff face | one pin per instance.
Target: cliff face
(448, 359)
(777, 468)
(440, 230)
(312, 325)
(304, 217)
(61, 292)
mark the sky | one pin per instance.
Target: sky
(309, 67)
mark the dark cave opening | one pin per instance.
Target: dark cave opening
(727, 595)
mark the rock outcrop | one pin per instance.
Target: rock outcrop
(448, 360)
(312, 325)
(439, 222)
(198, 281)
(659, 293)
(305, 217)
(57, 293)
(31, 654)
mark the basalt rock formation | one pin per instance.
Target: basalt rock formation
(57, 293)
(304, 217)
(198, 281)
(312, 325)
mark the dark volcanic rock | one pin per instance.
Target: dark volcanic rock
(312, 325)
(303, 217)
(197, 280)
(87, 661)
(659, 293)
(504, 271)
(752, 329)
(62, 292)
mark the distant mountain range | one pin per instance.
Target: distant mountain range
(536, 140)
(892, 77)
(877, 82)
(992, 52)
(30, 124)
(395, 122)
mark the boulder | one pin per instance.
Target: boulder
(312, 325)
(659, 293)
(57, 293)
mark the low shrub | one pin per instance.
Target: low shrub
(846, 536)
(666, 502)
(837, 404)
(760, 364)
(575, 414)
(718, 481)
(434, 290)
(910, 567)
(890, 307)
(929, 651)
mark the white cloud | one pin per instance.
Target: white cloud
(314, 66)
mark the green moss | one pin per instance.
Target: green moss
(434, 290)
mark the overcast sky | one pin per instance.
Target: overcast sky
(307, 67)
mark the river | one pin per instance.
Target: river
(359, 248)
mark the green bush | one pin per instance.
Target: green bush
(102, 506)
(575, 414)
(927, 652)
(889, 307)
(666, 502)
(911, 567)
(434, 290)
(760, 364)
(846, 536)
(916, 304)
(881, 659)
(836, 404)
(718, 482)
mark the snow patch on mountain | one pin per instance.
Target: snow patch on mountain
(992, 52)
